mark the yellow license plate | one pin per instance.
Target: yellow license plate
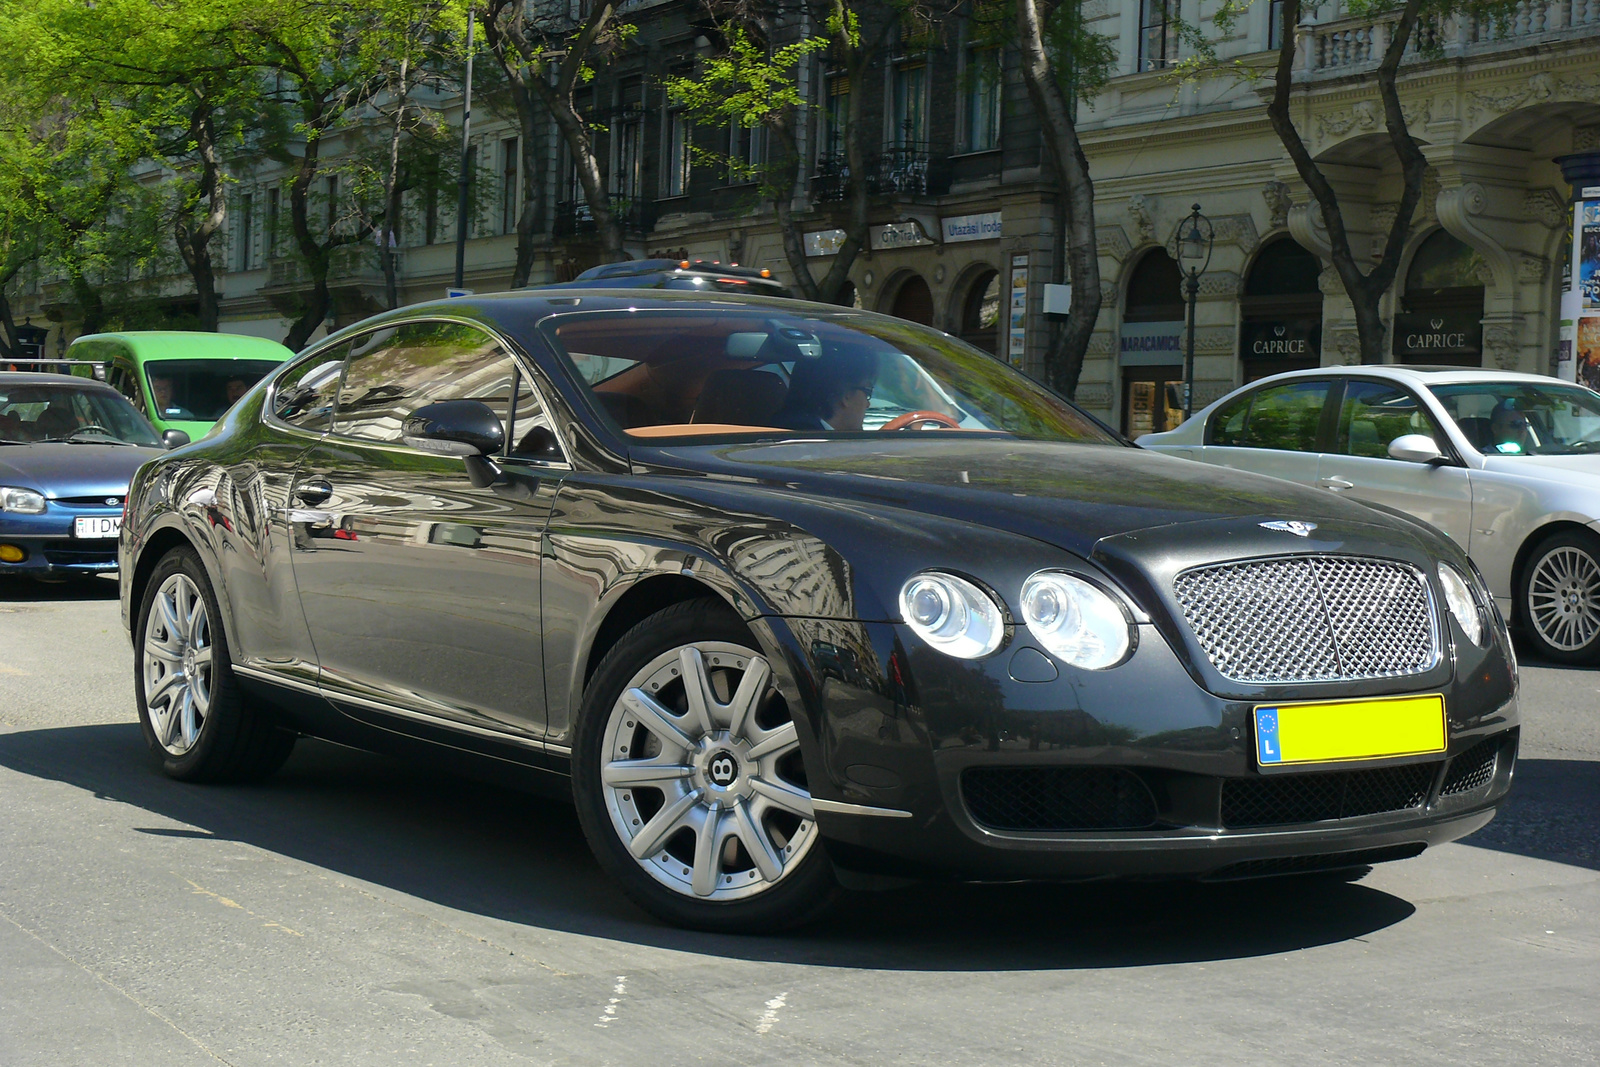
(1343, 730)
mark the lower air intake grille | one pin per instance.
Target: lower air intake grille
(1057, 798)
(1273, 800)
(66, 557)
(1472, 769)
(1330, 861)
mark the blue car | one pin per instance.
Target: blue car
(68, 447)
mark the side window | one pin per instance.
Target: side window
(1286, 417)
(304, 396)
(123, 382)
(1227, 424)
(395, 371)
(1374, 414)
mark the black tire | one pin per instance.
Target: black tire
(235, 741)
(806, 886)
(1560, 617)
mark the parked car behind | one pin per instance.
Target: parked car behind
(181, 380)
(647, 549)
(68, 446)
(1508, 465)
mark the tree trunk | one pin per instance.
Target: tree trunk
(533, 163)
(559, 100)
(1064, 359)
(785, 187)
(312, 253)
(1365, 290)
(194, 244)
(391, 193)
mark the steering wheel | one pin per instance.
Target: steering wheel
(911, 418)
(93, 427)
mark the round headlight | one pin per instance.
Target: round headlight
(1463, 605)
(24, 501)
(952, 614)
(1076, 621)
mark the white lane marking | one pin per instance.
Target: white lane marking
(621, 990)
(769, 1018)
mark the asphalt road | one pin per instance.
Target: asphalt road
(357, 910)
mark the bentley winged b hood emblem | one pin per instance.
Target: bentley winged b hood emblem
(1294, 526)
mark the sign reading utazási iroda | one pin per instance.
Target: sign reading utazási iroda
(984, 227)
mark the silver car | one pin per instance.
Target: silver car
(1506, 464)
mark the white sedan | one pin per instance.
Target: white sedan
(1506, 464)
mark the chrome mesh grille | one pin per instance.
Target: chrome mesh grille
(1311, 618)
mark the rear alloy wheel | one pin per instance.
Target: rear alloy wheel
(689, 779)
(190, 707)
(1559, 598)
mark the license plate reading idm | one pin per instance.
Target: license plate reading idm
(90, 526)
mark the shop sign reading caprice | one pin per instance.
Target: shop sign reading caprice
(1282, 339)
(1442, 333)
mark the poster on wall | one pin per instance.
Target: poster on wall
(1589, 351)
(1017, 348)
(1589, 255)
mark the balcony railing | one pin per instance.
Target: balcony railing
(1347, 46)
(574, 217)
(899, 170)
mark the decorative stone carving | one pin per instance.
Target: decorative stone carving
(1363, 115)
(1237, 230)
(1585, 138)
(1580, 88)
(1112, 241)
(1210, 392)
(1347, 346)
(1381, 218)
(1538, 89)
(1530, 268)
(1308, 228)
(1458, 210)
(1500, 344)
(1219, 283)
(1094, 395)
(1417, 113)
(1141, 210)
(1546, 205)
(1213, 339)
(1328, 281)
(1101, 345)
(1276, 194)
(1108, 294)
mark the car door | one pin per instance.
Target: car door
(1275, 430)
(1372, 414)
(421, 591)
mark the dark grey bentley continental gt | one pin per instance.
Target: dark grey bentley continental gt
(786, 596)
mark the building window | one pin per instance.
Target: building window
(746, 152)
(910, 105)
(272, 223)
(1275, 25)
(247, 204)
(836, 116)
(1158, 34)
(983, 99)
(333, 201)
(508, 185)
(679, 161)
(629, 140)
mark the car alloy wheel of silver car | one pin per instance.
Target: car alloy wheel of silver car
(1564, 598)
(178, 664)
(702, 786)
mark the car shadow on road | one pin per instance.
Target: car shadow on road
(518, 858)
(1553, 813)
(19, 590)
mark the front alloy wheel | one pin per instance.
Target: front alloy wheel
(692, 759)
(1560, 601)
(177, 664)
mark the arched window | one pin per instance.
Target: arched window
(1281, 311)
(1155, 292)
(1441, 310)
(913, 301)
(1150, 351)
(980, 312)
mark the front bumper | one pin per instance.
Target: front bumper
(49, 547)
(929, 766)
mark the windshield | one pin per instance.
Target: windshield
(1525, 418)
(34, 413)
(202, 390)
(717, 372)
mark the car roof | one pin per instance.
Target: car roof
(146, 345)
(1416, 375)
(13, 378)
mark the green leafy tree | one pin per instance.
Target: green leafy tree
(545, 55)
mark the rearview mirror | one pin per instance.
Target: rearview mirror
(1414, 448)
(174, 439)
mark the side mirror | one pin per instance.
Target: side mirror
(174, 439)
(455, 428)
(466, 428)
(1415, 448)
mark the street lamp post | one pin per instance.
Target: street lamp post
(1194, 255)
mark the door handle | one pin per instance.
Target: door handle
(1336, 483)
(314, 493)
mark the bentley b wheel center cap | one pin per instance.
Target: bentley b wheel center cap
(722, 767)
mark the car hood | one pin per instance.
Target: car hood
(72, 470)
(1067, 495)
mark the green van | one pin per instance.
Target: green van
(181, 380)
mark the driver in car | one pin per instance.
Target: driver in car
(830, 392)
(1510, 430)
(161, 387)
